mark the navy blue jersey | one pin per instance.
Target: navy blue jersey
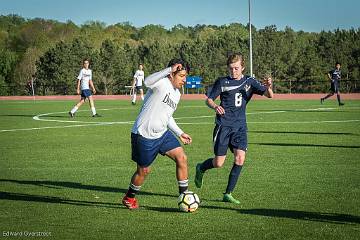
(234, 95)
(335, 75)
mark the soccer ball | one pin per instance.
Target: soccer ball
(188, 201)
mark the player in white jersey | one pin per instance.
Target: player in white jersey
(84, 83)
(137, 84)
(150, 134)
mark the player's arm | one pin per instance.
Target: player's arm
(134, 82)
(92, 86)
(185, 138)
(155, 77)
(329, 75)
(78, 87)
(211, 104)
(214, 92)
(268, 83)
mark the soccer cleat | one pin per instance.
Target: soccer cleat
(198, 176)
(322, 100)
(229, 198)
(341, 104)
(133, 103)
(130, 203)
(96, 115)
(72, 114)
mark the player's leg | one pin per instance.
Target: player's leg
(92, 106)
(238, 145)
(221, 140)
(180, 158)
(137, 181)
(326, 97)
(201, 168)
(337, 91)
(76, 107)
(171, 147)
(143, 152)
(133, 101)
(239, 158)
(331, 93)
(339, 100)
(142, 94)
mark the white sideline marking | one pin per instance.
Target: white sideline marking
(86, 124)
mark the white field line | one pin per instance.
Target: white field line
(85, 124)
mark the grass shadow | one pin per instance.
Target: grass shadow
(55, 200)
(305, 133)
(76, 185)
(335, 218)
(303, 145)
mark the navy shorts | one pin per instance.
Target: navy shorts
(85, 93)
(144, 150)
(225, 137)
(138, 88)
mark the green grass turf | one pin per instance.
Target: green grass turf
(301, 178)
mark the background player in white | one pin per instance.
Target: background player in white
(137, 83)
(150, 134)
(84, 83)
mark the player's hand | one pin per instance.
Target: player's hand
(176, 67)
(268, 82)
(78, 91)
(219, 110)
(185, 138)
(94, 91)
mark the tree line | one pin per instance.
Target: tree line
(50, 53)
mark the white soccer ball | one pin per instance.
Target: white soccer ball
(188, 201)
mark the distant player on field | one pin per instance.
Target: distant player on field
(150, 134)
(230, 131)
(137, 84)
(335, 77)
(84, 83)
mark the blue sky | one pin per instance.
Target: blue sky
(306, 15)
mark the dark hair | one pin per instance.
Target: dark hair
(184, 64)
(337, 63)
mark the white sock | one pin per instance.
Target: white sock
(142, 97)
(74, 109)
(134, 98)
(93, 110)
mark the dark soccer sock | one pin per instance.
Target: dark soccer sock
(183, 185)
(327, 96)
(338, 98)
(133, 190)
(233, 177)
(206, 165)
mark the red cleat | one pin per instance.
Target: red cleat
(130, 203)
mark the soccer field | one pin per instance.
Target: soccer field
(64, 178)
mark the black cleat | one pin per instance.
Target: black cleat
(321, 100)
(341, 104)
(72, 115)
(96, 115)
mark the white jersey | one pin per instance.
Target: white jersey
(160, 103)
(139, 76)
(85, 76)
